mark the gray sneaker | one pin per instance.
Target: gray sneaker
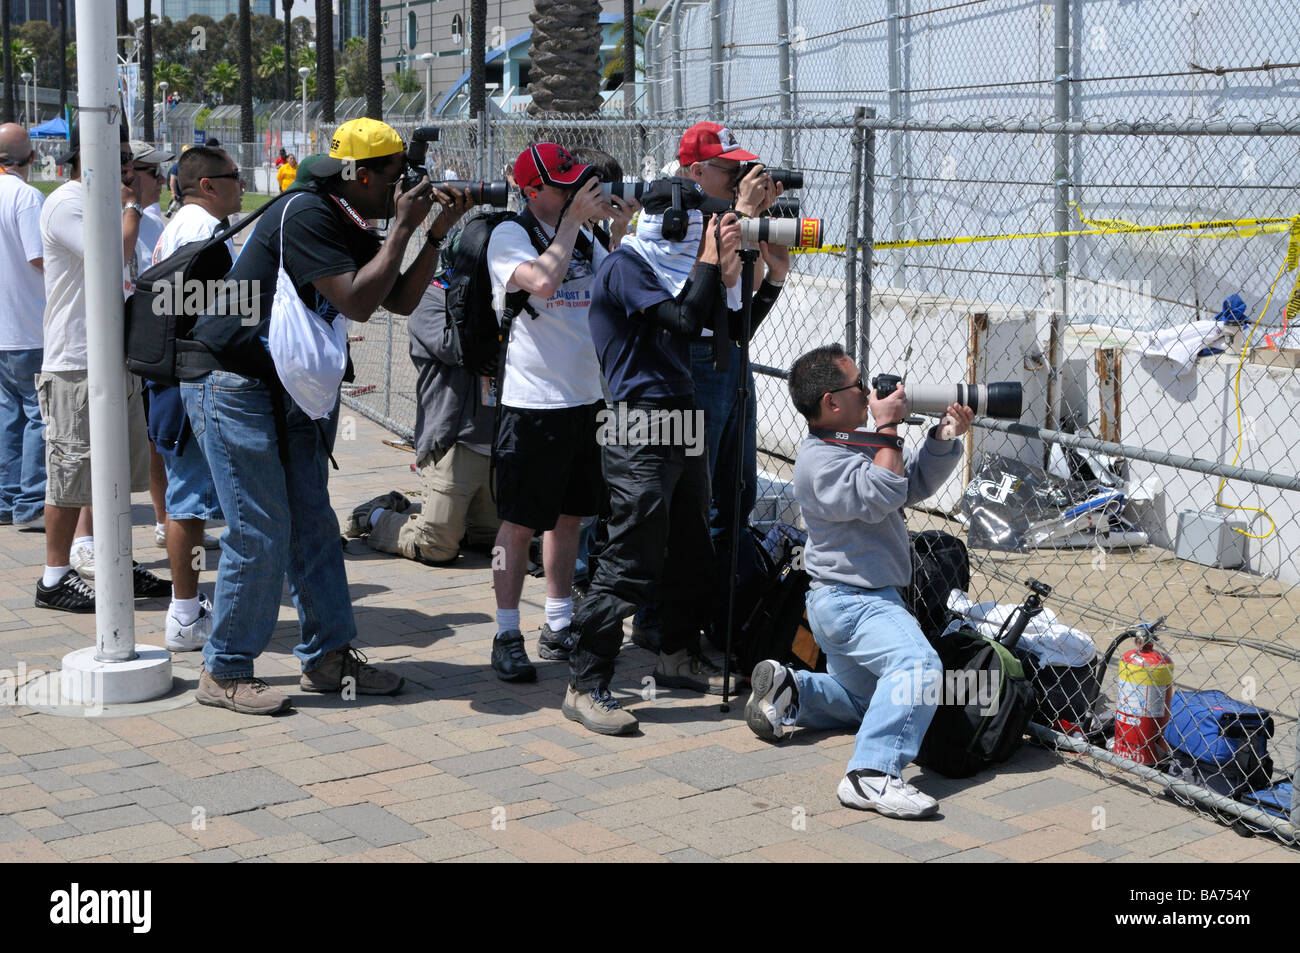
(249, 696)
(691, 671)
(599, 711)
(358, 524)
(345, 663)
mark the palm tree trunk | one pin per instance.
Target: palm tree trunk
(374, 69)
(325, 59)
(146, 71)
(245, 48)
(565, 76)
(477, 53)
(629, 57)
(123, 26)
(288, 52)
(10, 96)
(63, 59)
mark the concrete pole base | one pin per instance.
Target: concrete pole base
(88, 681)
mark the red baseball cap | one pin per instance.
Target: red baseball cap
(708, 140)
(546, 164)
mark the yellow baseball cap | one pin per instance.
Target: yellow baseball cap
(365, 138)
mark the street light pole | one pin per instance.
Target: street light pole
(27, 112)
(428, 84)
(162, 86)
(304, 72)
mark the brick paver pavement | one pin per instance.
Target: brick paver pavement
(464, 767)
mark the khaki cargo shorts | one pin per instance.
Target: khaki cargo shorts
(65, 407)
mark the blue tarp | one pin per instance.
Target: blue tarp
(56, 128)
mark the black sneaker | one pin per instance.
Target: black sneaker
(70, 594)
(556, 646)
(147, 585)
(510, 660)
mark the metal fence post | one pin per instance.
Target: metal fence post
(715, 59)
(897, 150)
(784, 79)
(1060, 214)
(867, 240)
(675, 36)
(851, 242)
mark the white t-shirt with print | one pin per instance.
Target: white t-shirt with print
(551, 362)
(63, 236)
(22, 292)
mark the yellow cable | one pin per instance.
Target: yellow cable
(1236, 393)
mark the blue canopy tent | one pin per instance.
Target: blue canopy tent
(56, 128)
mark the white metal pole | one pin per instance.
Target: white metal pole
(100, 115)
(162, 87)
(116, 670)
(428, 84)
(303, 72)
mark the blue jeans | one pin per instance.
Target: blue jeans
(22, 437)
(877, 665)
(279, 521)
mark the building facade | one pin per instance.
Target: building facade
(23, 11)
(441, 27)
(217, 9)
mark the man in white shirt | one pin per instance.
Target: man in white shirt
(62, 389)
(546, 456)
(209, 182)
(22, 301)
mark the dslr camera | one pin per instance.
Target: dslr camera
(496, 192)
(789, 178)
(1003, 400)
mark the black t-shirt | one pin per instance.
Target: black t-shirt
(639, 359)
(322, 237)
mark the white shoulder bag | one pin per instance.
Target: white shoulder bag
(310, 353)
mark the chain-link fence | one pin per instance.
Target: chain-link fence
(1089, 199)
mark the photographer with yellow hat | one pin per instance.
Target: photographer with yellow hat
(253, 415)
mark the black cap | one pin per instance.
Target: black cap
(74, 142)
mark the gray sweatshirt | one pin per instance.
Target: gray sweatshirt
(854, 510)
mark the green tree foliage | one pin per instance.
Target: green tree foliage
(613, 72)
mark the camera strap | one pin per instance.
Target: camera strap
(858, 440)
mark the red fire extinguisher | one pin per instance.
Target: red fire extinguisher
(1144, 689)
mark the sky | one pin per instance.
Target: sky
(303, 8)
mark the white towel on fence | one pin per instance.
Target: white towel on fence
(1181, 344)
(1049, 641)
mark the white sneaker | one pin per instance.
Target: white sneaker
(190, 638)
(160, 538)
(773, 693)
(82, 559)
(892, 797)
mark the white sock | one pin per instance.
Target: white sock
(377, 512)
(87, 541)
(185, 611)
(160, 528)
(507, 619)
(559, 613)
(54, 575)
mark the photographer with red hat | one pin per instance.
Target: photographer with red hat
(545, 453)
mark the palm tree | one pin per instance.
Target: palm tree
(272, 63)
(7, 110)
(222, 80)
(245, 47)
(565, 76)
(146, 68)
(325, 58)
(288, 50)
(178, 79)
(477, 55)
(63, 60)
(374, 68)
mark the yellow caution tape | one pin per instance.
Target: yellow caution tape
(1293, 246)
(1239, 228)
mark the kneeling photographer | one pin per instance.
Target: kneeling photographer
(265, 418)
(851, 487)
(650, 299)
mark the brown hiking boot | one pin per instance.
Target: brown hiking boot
(599, 711)
(249, 696)
(692, 671)
(348, 663)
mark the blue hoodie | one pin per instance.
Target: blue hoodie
(854, 509)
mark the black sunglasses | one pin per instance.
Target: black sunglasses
(150, 170)
(224, 175)
(860, 384)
